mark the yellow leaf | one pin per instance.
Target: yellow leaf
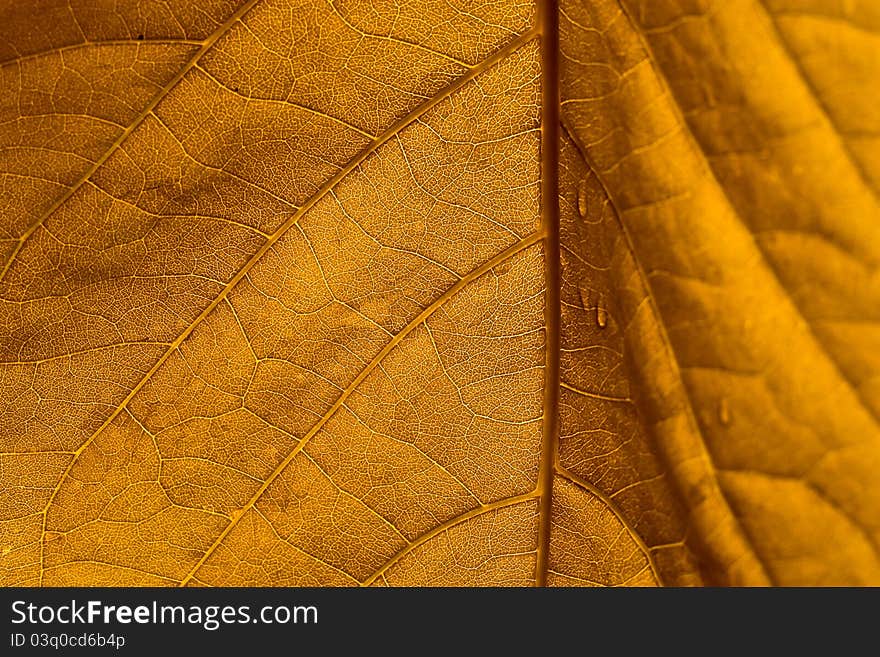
(323, 293)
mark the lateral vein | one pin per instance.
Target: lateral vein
(340, 401)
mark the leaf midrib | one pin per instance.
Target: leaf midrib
(550, 133)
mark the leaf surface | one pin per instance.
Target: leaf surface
(384, 294)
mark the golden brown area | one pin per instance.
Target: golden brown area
(398, 293)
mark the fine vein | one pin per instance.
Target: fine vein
(340, 401)
(389, 133)
(207, 44)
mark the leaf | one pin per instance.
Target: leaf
(288, 296)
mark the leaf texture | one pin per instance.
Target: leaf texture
(357, 293)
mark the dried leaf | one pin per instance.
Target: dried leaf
(287, 296)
